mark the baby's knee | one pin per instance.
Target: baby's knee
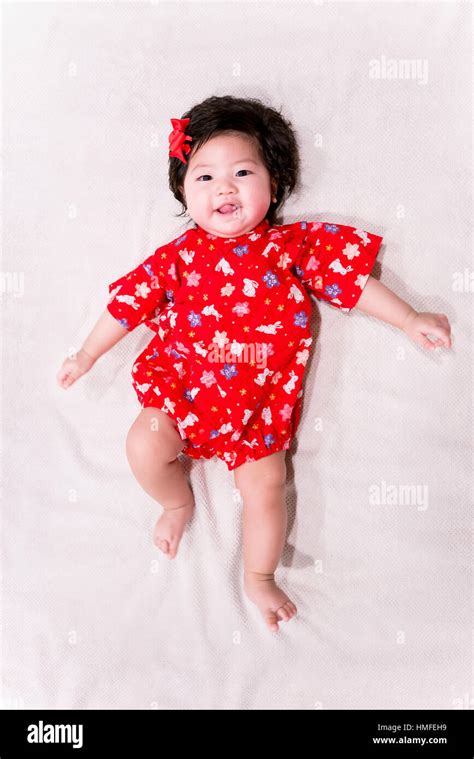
(146, 439)
(268, 472)
(273, 475)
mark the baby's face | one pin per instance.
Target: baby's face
(227, 170)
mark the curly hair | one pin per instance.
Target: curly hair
(276, 142)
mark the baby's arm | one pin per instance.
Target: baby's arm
(134, 297)
(106, 333)
(378, 300)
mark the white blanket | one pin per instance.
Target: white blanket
(94, 617)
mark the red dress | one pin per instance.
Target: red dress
(232, 336)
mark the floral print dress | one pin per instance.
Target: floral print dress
(231, 321)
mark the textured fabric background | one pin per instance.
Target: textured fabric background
(93, 616)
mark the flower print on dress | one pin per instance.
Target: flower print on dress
(208, 379)
(194, 319)
(229, 371)
(300, 319)
(220, 338)
(285, 412)
(241, 250)
(321, 261)
(142, 290)
(271, 279)
(332, 290)
(192, 280)
(227, 290)
(175, 372)
(241, 309)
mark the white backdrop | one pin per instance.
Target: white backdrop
(94, 616)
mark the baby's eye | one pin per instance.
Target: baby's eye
(208, 175)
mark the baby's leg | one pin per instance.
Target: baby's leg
(262, 485)
(153, 443)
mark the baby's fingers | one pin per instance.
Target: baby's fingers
(67, 375)
(443, 318)
(442, 336)
(425, 342)
(439, 338)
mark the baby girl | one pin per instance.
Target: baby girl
(223, 373)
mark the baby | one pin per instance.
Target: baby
(223, 373)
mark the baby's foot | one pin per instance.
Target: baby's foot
(273, 603)
(169, 529)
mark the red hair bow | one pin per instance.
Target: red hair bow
(177, 139)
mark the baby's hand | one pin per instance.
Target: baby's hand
(73, 368)
(419, 325)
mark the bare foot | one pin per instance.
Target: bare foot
(169, 529)
(273, 603)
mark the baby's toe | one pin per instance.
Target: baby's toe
(272, 621)
(173, 548)
(163, 545)
(283, 612)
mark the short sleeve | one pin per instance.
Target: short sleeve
(144, 292)
(335, 260)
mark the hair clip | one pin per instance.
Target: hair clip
(177, 139)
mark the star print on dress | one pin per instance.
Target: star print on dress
(231, 318)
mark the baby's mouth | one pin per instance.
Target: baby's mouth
(227, 208)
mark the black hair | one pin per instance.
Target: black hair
(276, 142)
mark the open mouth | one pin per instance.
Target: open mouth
(227, 209)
